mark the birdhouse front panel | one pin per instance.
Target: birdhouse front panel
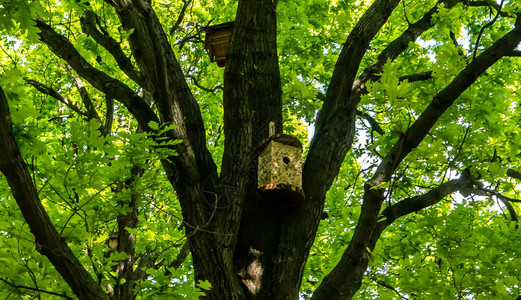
(280, 164)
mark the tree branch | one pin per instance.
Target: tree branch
(346, 277)
(181, 257)
(89, 23)
(488, 3)
(480, 191)
(112, 87)
(514, 174)
(354, 49)
(194, 165)
(165, 80)
(109, 114)
(466, 185)
(85, 97)
(180, 18)
(17, 286)
(416, 77)
(372, 122)
(42, 88)
(342, 114)
(515, 53)
(336, 120)
(483, 30)
(48, 240)
(197, 84)
(396, 47)
(385, 285)
(414, 204)
(443, 100)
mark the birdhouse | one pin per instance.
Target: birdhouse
(280, 170)
(217, 40)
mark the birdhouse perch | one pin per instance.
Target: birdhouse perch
(217, 40)
(280, 170)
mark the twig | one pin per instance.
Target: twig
(82, 206)
(385, 285)
(17, 286)
(372, 122)
(180, 18)
(483, 29)
(42, 88)
(488, 3)
(197, 84)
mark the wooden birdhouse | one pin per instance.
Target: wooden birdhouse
(217, 40)
(280, 169)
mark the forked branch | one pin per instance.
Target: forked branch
(112, 87)
(417, 203)
(345, 279)
(396, 47)
(336, 120)
(89, 24)
(443, 100)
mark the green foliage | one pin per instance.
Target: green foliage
(459, 248)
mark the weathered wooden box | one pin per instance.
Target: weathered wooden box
(217, 40)
(280, 170)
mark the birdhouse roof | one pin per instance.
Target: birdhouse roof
(212, 28)
(285, 139)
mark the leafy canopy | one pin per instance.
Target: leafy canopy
(462, 247)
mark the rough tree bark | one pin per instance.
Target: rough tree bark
(245, 248)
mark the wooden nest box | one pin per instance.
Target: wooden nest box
(217, 40)
(280, 170)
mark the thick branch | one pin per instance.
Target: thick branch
(465, 185)
(335, 123)
(354, 49)
(416, 77)
(175, 102)
(414, 204)
(48, 240)
(488, 3)
(514, 174)
(194, 164)
(113, 88)
(443, 100)
(515, 53)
